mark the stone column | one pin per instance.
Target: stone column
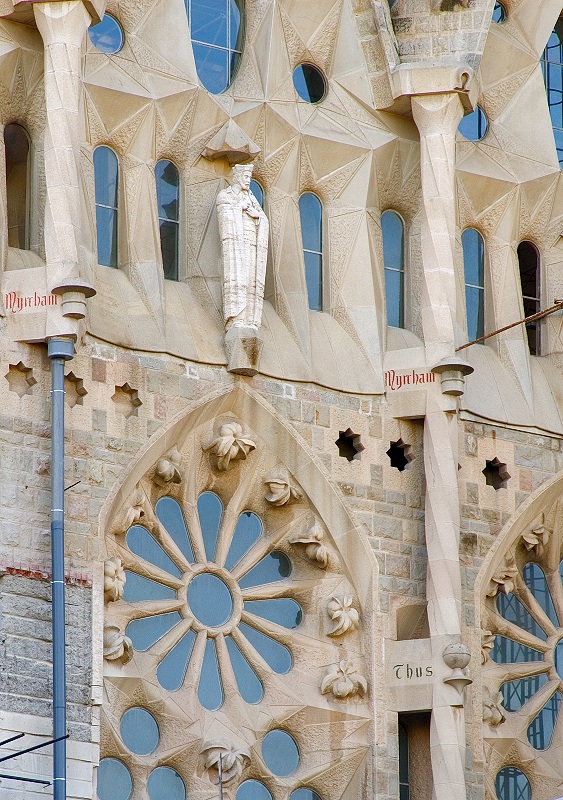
(63, 26)
(437, 117)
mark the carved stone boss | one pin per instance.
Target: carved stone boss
(243, 229)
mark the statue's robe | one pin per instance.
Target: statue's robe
(243, 228)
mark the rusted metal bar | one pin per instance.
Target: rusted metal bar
(558, 306)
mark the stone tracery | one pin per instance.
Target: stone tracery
(263, 655)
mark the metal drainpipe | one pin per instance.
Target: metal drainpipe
(59, 351)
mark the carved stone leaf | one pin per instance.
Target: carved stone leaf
(117, 646)
(167, 469)
(233, 762)
(487, 644)
(114, 580)
(503, 580)
(230, 445)
(315, 550)
(536, 539)
(344, 681)
(280, 491)
(342, 613)
(492, 707)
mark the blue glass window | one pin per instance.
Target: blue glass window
(139, 731)
(392, 231)
(107, 35)
(217, 31)
(517, 692)
(541, 728)
(164, 783)
(280, 610)
(310, 83)
(512, 609)
(253, 790)
(138, 588)
(171, 671)
(148, 630)
(248, 682)
(16, 145)
(257, 191)
(276, 655)
(474, 126)
(552, 67)
(140, 542)
(474, 271)
(114, 780)
(247, 533)
(508, 651)
(170, 515)
(512, 784)
(311, 214)
(304, 794)
(529, 267)
(210, 511)
(534, 578)
(499, 13)
(106, 169)
(273, 567)
(210, 688)
(280, 753)
(210, 599)
(168, 201)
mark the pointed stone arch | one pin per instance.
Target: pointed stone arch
(234, 445)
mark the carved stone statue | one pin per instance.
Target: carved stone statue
(243, 228)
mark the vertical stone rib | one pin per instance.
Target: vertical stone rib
(437, 117)
(63, 26)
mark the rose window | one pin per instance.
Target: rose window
(178, 599)
(232, 638)
(523, 679)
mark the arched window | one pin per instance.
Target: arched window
(16, 142)
(168, 200)
(474, 271)
(257, 191)
(529, 266)
(512, 784)
(217, 31)
(311, 214)
(404, 791)
(106, 169)
(552, 66)
(392, 231)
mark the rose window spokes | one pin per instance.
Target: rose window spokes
(528, 648)
(210, 599)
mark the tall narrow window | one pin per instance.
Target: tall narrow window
(168, 198)
(257, 191)
(217, 31)
(552, 66)
(393, 261)
(106, 179)
(474, 270)
(311, 213)
(529, 265)
(16, 142)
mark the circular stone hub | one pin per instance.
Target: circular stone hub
(210, 600)
(558, 658)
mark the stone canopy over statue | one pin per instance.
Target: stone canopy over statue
(243, 229)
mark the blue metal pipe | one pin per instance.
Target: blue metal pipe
(59, 351)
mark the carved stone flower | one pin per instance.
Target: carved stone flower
(503, 580)
(135, 509)
(280, 491)
(342, 613)
(167, 469)
(232, 762)
(487, 644)
(114, 580)
(536, 539)
(117, 646)
(230, 445)
(344, 681)
(314, 548)
(492, 707)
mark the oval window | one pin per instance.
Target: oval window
(217, 33)
(107, 36)
(474, 126)
(310, 83)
